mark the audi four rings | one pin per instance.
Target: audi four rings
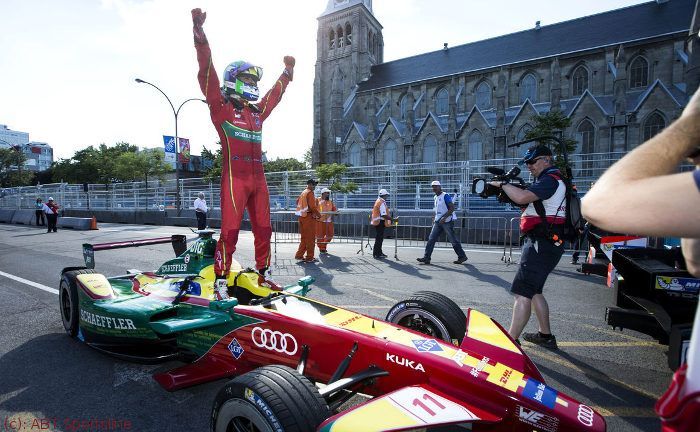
(274, 340)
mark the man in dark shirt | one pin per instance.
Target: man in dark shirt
(540, 254)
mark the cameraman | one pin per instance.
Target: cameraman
(540, 253)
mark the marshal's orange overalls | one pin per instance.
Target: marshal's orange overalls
(308, 213)
(243, 184)
(324, 226)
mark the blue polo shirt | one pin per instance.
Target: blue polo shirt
(545, 185)
(696, 176)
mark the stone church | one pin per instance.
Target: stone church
(620, 76)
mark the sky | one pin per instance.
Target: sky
(67, 67)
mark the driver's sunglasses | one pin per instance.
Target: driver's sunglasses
(533, 161)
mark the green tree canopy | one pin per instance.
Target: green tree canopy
(133, 166)
(333, 175)
(11, 172)
(286, 164)
(553, 123)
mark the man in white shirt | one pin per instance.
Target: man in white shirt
(201, 209)
(444, 221)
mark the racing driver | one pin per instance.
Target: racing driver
(238, 120)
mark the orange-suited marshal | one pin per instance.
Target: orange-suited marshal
(239, 122)
(307, 211)
(324, 225)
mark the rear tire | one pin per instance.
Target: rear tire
(269, 399)
(430, 313)
(68, 300)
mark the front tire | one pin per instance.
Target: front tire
(430, 313)
(269, 399)
(68, 300)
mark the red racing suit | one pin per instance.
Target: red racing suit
(243, 184)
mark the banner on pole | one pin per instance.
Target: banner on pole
(170, 150)
(184, 150)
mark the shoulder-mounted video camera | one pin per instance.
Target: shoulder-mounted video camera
(484, 189)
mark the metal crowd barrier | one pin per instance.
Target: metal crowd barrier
(349, 227)
(489, 232)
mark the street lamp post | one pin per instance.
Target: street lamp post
(176, 112)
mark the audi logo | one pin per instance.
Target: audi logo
(274, 340)
(585, 415)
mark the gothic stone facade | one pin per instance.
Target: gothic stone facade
(619, 88)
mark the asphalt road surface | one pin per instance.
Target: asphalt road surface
(47, 379)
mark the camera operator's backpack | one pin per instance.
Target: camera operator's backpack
(573, 219)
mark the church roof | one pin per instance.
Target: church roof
(626, 25)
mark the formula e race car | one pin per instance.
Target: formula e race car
(299, 363)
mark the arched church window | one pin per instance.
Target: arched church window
(442, 101)
(331, 40)
(476, 146)
(341, 39)
(430, 149)
(403, 108)
(528, 88)
(579, 81)
(585, 134)
(639, 73)
(390, 152)
(348, 34)
(354, 154)
(483, 96)
(654, 124)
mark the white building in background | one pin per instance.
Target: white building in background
(39, 154)
(9, 137)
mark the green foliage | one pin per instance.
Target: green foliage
(308, 158)
(553, 123)
(121, 162)
(286, 164)
(333, 174)
(131, 166)
(213, 174)
(11, 172)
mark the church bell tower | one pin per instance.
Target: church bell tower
(348, 42)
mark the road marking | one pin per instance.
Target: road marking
(30, 283)
(609, 344)
(625, 411)
(592, 373)
(376, 294)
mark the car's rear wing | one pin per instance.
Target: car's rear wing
(178, 241)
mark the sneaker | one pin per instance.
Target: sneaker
(221, 288)
(299, 258)
(324, 251)
(460, 260)
(545, 341)
(423, 260)
(310, 260)
(265, 280)
(383, 256)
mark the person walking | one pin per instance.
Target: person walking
(444, 221)
(542, 248)
(50, 208)
(380, 220)
(324, 225)
(200, 210)
(307, 213)
(39, 212)
(238, 117)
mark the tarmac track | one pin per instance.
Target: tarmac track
(47, 379)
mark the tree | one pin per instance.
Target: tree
(333, 173)
(11, 172)
(308, 158)
(131, 166)
(286, 164)
(212, 174)
(553, 123)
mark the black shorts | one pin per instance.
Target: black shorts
(535, 266)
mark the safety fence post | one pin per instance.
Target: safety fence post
(285, 184)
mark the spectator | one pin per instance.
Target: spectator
(51, 210)
(540, 251)
(380, 220)
(444, 221)
(324, 225)
(644, 194)
(308, 214)
(200, 210)
(39, 212)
